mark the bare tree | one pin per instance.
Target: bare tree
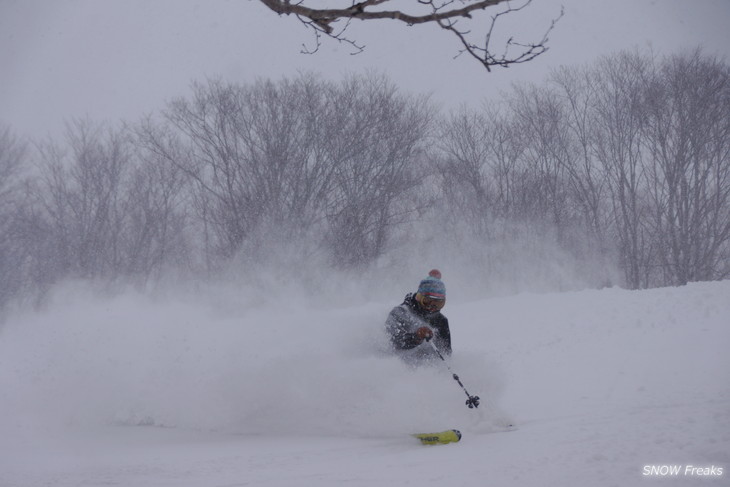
(632, 152)
(688, 138)
(620, 82)
(586, 179)
(101, 209)
(377, 154)
(253, 153)
(156, 219)
(12, 156)
(296, 157)
(80, 192)
(541, 118)
(12, 153)
(467, 141)
(456, 18)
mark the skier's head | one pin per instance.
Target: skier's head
(431, 294)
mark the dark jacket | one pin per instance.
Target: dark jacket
(405, 319)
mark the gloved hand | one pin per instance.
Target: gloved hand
(424, 333)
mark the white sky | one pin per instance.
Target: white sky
(119, 59)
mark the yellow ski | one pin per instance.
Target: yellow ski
(448, 436)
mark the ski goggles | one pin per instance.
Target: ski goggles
(431, 304)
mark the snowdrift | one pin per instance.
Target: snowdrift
(199, 391)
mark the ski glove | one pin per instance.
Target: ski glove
(424, 333)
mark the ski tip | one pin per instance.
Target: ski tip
(440, 438)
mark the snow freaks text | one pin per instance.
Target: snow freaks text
(682, 471)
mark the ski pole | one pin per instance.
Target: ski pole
(472, 401)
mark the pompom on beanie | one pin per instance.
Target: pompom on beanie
(432, 286)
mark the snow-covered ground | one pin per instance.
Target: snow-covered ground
(133, 391)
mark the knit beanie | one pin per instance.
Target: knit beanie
(432, 286)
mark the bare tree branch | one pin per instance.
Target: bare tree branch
(454, 16)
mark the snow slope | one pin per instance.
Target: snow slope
(134, 391)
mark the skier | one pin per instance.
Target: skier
(418, 319)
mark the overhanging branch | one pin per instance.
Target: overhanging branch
(450, 15)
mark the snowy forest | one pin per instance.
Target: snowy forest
(618, 170)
